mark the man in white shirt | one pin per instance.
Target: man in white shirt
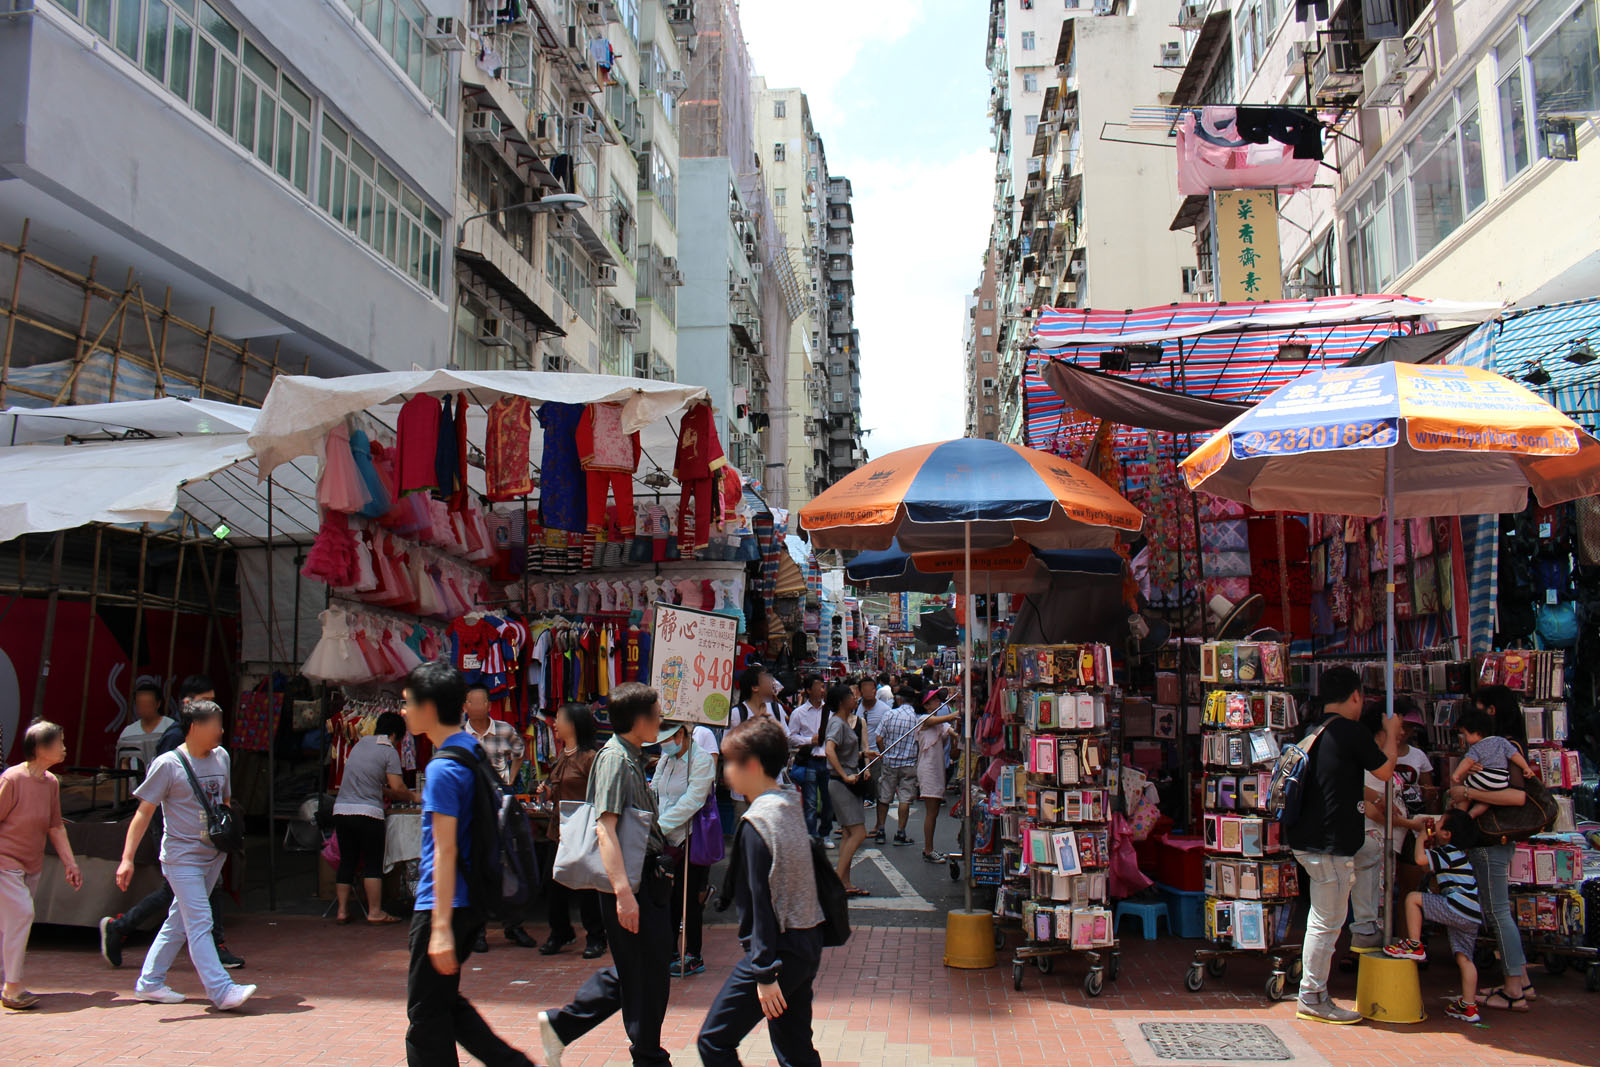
(758, 695)
(806, 725)
(873, 707)
(140, 740)
(886, 690)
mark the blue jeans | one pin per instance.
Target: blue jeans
(1331, 878)
(1492, 868)
(811, 778)
(188, 922)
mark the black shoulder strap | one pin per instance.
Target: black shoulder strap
(470, 758)
(194, 783)
(735, 869)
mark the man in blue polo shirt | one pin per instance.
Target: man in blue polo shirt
(444, 925)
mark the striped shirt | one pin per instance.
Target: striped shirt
(901, 751)
(501, 743)
(1453, 879)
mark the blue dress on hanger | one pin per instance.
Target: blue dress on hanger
(361, 449)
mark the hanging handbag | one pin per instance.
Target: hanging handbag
(578, 864)
(222, 829)
(705, 834)
(1503, 824)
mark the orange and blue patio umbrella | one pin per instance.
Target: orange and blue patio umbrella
(1016, 568)
(932, 496)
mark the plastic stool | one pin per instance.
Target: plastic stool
(1147, 910)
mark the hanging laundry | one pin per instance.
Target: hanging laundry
(698, 459)
(563, 499)
(608, 457)
(508, 473)
(604, 56)
(1211, 155)
(417, 442)
(1299, 129)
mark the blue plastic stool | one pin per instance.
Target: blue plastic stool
(1147, 910)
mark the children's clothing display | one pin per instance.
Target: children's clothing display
(417, 442)
(608, 457)
(699, 457)
(563, 499)
(340, 487)
(508, 472)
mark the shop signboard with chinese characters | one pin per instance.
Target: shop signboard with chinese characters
(1245, 225)
(691, 662)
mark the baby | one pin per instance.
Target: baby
(1489, 759)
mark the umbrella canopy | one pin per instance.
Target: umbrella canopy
(1456, 440)
(1017, 568)
(928, 495)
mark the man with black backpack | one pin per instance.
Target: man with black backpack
(447, 919)
(782, 924)
(1329, 826)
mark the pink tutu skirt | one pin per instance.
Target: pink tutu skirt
(340, 488)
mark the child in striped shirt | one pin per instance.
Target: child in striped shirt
(1454, 904)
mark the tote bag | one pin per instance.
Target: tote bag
(578, 864)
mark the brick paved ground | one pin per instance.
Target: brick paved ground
(335, 995)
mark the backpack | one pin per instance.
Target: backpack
(830, 892)
(1287, 790)
(501, 867)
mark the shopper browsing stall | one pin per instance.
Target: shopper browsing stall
(685, 776)
(1453, 904)
(1331, 829)
(30, 815)
(139, 742)
(503, 745)
(575, 729)
(371, 777)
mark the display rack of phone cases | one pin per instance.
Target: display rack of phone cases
(1064, 708)
(1251, 878)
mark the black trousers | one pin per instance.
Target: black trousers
(636, 983)
(692, 921)
(360, 844)
(559, 900)
(737, 1011)
(440, 1017)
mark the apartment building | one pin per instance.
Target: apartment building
(796, 185)
(281, 174)
(982, 392)
(846, 450)
(567, 241)
(1080, 210)
(1464, 160)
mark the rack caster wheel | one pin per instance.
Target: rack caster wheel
(999, 939)
(1591, 978)
(1045, 964)
(1297, 970)
(955, 871)
(1095, 982)
(1195, 980)
(1554, 963)
(1217, 968)
(1277, 986)
(1114, 966)
(1016, 976)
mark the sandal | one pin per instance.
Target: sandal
(385, 921)
(1506, 1002)
(857, 891)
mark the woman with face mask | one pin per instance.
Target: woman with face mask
(684, 778)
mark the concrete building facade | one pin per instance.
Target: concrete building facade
(982, 366)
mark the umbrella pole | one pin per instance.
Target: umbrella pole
(1388, 644)
(966, 720)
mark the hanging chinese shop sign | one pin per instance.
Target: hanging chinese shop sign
(1245, 222)
(691, 663)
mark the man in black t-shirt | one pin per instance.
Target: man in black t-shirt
(1332, 826)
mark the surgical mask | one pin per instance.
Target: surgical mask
(670, 748)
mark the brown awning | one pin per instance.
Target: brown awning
(1132, 403)
(1193, 208)
(1214, 39)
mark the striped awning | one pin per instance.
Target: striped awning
(1525, 339)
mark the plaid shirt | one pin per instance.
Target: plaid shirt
(501, 743)
(902, 752)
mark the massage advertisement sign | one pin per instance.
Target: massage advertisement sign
(691, 663)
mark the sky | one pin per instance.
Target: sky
(898, 92)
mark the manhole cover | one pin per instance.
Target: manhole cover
(1216, 1042)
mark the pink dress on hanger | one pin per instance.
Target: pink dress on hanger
(340, 488)
(332, 558)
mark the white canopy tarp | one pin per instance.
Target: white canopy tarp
(168, 416)
(300, 410)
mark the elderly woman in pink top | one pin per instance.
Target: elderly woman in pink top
(30, 812)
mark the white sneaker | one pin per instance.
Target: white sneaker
(553, 1045)
(235, 997)
(161, 995)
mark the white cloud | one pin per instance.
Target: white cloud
(814, 44)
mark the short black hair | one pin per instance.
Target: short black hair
(1476, 721)
(1463, 831)
(629, 701)
(390, 724)
(883, 679)
(838, 693)
(439, 683)
(1338, 684)
(762, 738)
(584, 726)
(1372, 715)
(194, 685)
(808, 681)
(149, 686)
(478, 685)
(749, 680)
(198, 711)
(41, 733)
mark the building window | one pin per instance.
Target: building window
(571, 275)
(836, 369)
(988, 387)
(628, 15)
(397, 26)
(987, 331)
(988, 409)
(779, 152)
(1551, 61)
(655, 176)
(1030, 41)
(620, 221)
(988, 305)
(780, 109)
(780, 197)
(1030, 125)
(1030, 82)
(838, 398)
(988, 357)
(376, 207)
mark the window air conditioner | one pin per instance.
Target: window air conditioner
(483, 127)
(625, 319)
(543, 128)
(676, 81)
(1336, 71)
(1388, 70)
(1171, 53)
(448, 33)
(756, 269)
(674, 277)
(492, 333)
(605, 275)
(669, 264)
(1192, 16)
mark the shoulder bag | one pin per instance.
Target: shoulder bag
(222, 828)
(578, 864)
(705, 829)
(1503, 824)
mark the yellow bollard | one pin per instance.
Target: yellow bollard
(969, 939)
(1388, 990)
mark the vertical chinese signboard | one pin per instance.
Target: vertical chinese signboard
(1245, 222)
(691, 663)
